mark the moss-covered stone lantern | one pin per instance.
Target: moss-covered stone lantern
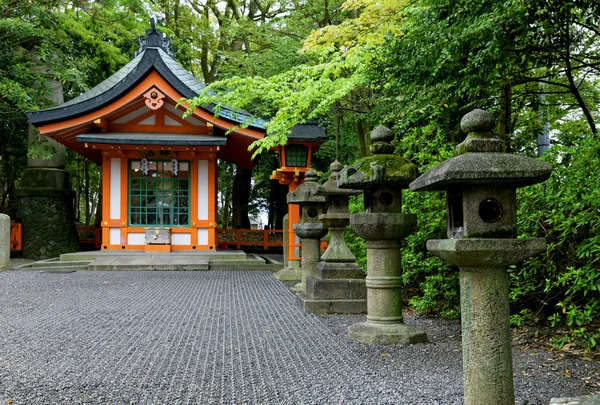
(310, 229)
(338, 285)
(382, 176)
(481, 185)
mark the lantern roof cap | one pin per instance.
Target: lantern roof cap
(306, 192)
(503, 169)
(481, 161)
(380, 169)
(331, 188)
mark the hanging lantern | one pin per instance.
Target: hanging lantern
(144, 166)
(174, 167)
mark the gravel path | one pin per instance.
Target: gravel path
(225, 337)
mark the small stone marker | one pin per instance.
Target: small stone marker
(482, 240)
(4, 242)
(310, 229)
(383, 176)
(584, 400)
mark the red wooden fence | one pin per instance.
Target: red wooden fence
(250, 237)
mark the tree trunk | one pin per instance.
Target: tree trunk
(98, 211)
(506, 115)
(280, 205)
(86, 190)
(240, 197)
(573, 86)
(272, 195)
(226, 205)
(363, 143)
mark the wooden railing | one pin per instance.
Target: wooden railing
(16, 236)
(89, 237)
(237, 238)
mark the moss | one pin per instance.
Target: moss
(396, 167)
(500, 233)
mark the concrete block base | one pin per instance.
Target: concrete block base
(336, 289)
(288, 274)
(381, 334)
(331, 306)
(299, 288)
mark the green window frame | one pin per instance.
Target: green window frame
(159, 198)
(296, 155)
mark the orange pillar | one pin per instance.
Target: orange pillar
(293, 218)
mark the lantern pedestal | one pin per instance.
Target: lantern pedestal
(310, 234)
(484, 305)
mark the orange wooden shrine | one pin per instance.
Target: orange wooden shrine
(159, 169)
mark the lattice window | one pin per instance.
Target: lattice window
(159, 197)
(296, 155)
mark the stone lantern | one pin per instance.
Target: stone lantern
(481, 185)
(382, 176)
(310, 229)
(338, 285)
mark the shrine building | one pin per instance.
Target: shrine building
(159, 169)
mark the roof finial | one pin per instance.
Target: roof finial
(154, 38)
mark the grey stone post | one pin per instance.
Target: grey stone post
(383, 225)
(4, 242)
(488, 358)
(291, 270)
(310, 252)
(482, 230)
(338, 283)
(285, 240)
(310, 229)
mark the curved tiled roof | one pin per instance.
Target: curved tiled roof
(154, 54)
(151, 57)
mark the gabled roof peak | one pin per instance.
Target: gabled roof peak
(154, 38)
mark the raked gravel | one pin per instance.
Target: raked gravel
(225, 337)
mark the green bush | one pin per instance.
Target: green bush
(432, 284)
(356, 243)
(564, 283)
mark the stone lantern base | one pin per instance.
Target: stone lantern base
(292, 272)
(46, 209)
(386, 334)
(336, 288)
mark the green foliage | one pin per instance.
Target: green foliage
(433, 284)
(523, 317)
(356, 243)
(565, 282)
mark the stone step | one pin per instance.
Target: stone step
(147, 263)
(55, 266)
(52, 269)
(117, 254)
(57, 263)
(347, 307)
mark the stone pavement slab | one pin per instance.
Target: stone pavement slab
(221, 337)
